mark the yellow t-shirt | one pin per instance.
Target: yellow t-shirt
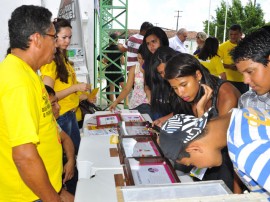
(26, 117)
(214, 65)
(224, 53)
(71, 101)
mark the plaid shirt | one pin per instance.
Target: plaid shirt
(251, 99)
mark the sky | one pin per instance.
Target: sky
(162, 12)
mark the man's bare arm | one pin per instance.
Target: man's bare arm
(33, 172)
(231, 66)
(122, 48)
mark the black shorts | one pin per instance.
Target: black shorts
(116, 78)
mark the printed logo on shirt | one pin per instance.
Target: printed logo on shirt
(256, 118)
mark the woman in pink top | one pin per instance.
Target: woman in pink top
(139, 99)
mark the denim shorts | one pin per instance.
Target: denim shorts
(69, 124)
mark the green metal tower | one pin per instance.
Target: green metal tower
(110, 18)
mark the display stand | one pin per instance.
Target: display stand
(138, 146)
(134, 128)
(147, 171)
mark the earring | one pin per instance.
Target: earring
(199, 82)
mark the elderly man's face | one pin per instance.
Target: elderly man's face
(183, 36)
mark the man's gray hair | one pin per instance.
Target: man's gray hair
(181, 31)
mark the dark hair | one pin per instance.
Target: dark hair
(113, 38)
(145, 26)
(25, 21)
(8, 51)
(49, 90)
(236, 27)
(161, 89)
(161, 35)
(209, 49)
(182, 65)
(61, 57)
(255, 46)
(141, 51)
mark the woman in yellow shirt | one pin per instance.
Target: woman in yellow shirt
(61, 76)
(209, 58)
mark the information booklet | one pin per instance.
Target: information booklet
(93, 93)
(138, 146)
(147, 171)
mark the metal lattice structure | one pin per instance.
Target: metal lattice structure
(110, 18)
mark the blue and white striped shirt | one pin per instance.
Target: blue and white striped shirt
(248, 139)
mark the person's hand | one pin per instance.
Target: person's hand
(159, 122)
(113, 106)
(200, 107)
(68, 170)
(66, 196)
(82, 87)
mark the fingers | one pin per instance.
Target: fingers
(157, 122)
(84, 86)
(68, 176)
(69, 173)
(207, 91)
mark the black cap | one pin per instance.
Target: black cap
(179, 131)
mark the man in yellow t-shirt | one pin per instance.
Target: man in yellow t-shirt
(235, 77)
(31, 151)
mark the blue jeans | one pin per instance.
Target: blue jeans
(69, 124)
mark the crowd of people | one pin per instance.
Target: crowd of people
(212, 106)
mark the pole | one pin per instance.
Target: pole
(177, 18)
(208, 26)
(216, 31)
(225, 24)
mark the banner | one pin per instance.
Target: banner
(69, 9)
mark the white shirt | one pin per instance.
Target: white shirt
(176, 44)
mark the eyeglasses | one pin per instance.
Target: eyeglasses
(52, 35)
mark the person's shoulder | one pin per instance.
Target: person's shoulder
(216, 58)
(48, 67)
(227, 90)
(135, 37)
(172, 38)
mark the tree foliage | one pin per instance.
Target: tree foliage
(250, 17)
